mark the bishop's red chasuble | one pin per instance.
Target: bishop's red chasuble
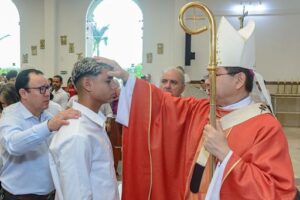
(163, 140)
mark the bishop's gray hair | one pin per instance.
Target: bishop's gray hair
(87, 67)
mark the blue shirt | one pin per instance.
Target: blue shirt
(24, 151)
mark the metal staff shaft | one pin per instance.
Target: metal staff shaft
(212, 57)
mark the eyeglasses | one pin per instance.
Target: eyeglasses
(232, 73)
(42, 89)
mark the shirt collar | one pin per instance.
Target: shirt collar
(98, 118)
(27, 114)
(244, 102)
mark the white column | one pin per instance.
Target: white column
(50, 67)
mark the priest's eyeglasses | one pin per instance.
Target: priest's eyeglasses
(42, 89)
(229, 73)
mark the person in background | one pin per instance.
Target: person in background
(84, 144)
(50, 82)
(202, 84)
(114, 103)
(70, 88)
(2, 79)
(53, 108)
(197, 91)
(11, 76)
(60, 96)
(8, 95)
(173, 82)
(25, 130)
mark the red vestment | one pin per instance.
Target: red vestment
(158, 158)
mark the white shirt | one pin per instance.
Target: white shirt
(106, 110)
(54, 108)
(81, 159)
(123, 118)
(61, 97)
(71, 100)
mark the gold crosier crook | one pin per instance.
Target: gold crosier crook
(212, 76)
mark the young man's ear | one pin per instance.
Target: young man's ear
(86, 83)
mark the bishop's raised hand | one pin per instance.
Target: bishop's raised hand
(117, 72)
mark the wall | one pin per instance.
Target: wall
(277, 47)
(277, 40)
(31, 29)
(277, 35)
(66, 17)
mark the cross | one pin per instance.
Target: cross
(241, 18)
(195, 18)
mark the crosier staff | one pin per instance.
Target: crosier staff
(204, 155)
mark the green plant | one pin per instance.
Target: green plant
(4, 70)
(136, 70)
(98, 35)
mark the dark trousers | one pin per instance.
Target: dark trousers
(8, 196)
(298, 195)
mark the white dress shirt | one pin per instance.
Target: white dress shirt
(123, 118)
(106, 110)
(81, 159)
(24, 147)
(54, 108)
(61, 97)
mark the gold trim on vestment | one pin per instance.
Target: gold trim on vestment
(233, 166)
(149, 142)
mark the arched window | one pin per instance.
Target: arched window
(9, 36)
(115, 30)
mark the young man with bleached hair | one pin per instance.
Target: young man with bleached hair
(81, 159)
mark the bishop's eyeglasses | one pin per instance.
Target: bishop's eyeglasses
(42, 89)
(228, 73)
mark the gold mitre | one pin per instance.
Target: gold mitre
(235, 48)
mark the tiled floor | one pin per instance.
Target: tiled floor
(293, 136)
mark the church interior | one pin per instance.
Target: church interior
(54, 34)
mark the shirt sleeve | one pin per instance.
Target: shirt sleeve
(18, 141)
(216, 182)
(73, 164)
(125, 101)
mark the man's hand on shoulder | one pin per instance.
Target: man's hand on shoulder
(62, 119)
